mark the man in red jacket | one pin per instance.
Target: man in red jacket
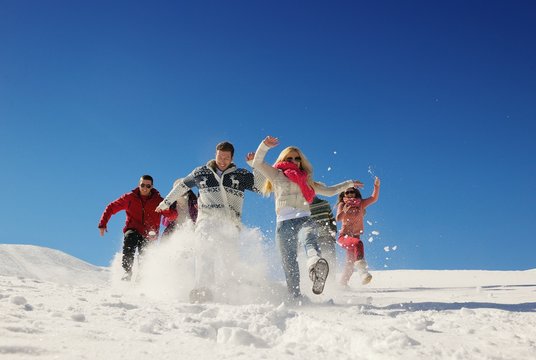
(142, 222)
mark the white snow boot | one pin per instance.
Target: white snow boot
(311, 261)
(361, 267)
(318, 273)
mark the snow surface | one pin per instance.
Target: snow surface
(54, 306)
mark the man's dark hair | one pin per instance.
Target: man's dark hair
(226, 146)
(148, 177)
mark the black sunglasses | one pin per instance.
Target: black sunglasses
(148, 186)
(297, 158)
(350, 192)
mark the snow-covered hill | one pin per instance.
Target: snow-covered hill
(35, 262)
(54, 306)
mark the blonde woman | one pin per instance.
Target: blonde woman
(291, 181)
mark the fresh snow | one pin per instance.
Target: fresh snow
(42, 264)
(54, 306)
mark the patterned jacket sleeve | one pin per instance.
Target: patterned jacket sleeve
(180, 189)
(170, 214)
(332, 222)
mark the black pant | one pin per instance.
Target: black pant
(132, 241)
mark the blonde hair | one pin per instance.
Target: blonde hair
(305, 165)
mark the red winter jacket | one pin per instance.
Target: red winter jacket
(141, 214)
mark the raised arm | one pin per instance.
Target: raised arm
(375, 193)
(258, 161)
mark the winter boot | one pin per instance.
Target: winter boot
(200, 295)
(361, 267)
(318, 273)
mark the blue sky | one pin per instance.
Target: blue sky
(436, 98)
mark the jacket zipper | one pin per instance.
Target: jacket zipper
(142, 212)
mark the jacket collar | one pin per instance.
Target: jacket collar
(136, 191)
(212, 165)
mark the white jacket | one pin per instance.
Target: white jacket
(286, 192)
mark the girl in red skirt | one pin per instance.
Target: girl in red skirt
(351, 211)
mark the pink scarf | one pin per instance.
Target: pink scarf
(298, 176)
(352, 202)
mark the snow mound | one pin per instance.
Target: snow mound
(40, 263)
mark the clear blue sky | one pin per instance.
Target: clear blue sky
(436, 98)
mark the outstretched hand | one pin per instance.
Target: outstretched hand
(161, 207)
(271, 141)
(377, 181)
(102, 231)
(250, 156)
